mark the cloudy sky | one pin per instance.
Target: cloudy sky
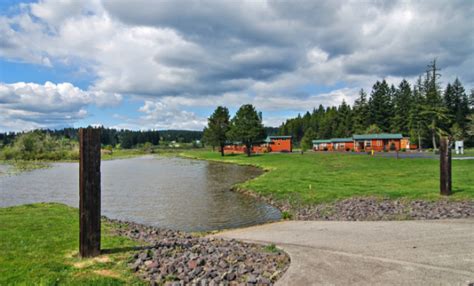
(146, 64)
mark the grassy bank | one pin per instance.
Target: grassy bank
(39, 243)
(315, 178)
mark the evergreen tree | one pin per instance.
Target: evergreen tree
(247, 127)
(217, 127)
(307, 140)
(380, 106)
(461, 110)
(344, 121)
(373, 129)
(360, 113)
(402, 104)
(433, 110)
(416, 121)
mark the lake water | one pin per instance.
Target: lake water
(174, 193)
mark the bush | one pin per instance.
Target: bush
(403, 150)
(286, 215)
(40, 146)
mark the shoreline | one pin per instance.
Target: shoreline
(190, 258)
(370, 208)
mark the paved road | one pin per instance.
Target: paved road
(368, 253)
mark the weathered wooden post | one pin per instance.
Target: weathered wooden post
(89, 192)
(445, 166)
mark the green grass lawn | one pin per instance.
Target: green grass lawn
(39, 245)
(315, 178)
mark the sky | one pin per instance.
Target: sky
(168, 64)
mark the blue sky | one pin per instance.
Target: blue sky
(152, 65)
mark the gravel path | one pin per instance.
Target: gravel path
(178, 258)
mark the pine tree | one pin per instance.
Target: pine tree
(344, 120)
(307, 140)
(461, 110)
(416, 120)
(434, 110)
(247, 127)
(380, 106)
(217, 127)
(402, 104)
(360, 113)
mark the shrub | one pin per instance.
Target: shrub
(286, 215)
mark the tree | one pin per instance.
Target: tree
(247, 127)
(380, 105)
(470, 129)
(217, 127)
(307, 140)
(360, 113)
(461, 110)
(344, 120)
(433, 110)
(436, 115)
(456, 132)
(373, 129)
(402, 103)
(416, 120)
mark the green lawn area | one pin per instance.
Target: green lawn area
(315, 178)
(468, 152)
(39, 244)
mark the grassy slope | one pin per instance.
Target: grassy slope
(325, 177)
(39, 243)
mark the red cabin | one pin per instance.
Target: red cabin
(342, 144)
(279, 143)
(377, 142)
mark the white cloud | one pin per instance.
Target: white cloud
(47, 105)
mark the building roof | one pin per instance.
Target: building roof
(269, 138)
(377, 136)
(338, 140)
(280, 137)
(321, 141)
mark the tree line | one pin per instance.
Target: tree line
(124, 138)
(421, 111)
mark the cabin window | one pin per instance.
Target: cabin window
(368, 143)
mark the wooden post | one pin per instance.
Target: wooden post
(89, 192)
(445, 167)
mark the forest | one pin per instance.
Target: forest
(422, 111)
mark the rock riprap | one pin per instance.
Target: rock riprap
(384, 209)
(179, 258)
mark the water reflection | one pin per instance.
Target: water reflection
(167, 192)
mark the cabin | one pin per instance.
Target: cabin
(405, 144)
(279, 143)
(239, 148)
(322, 145)
(342, 144)
(377, 142)
(270, 144)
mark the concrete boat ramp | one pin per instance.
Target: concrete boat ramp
(370, 253)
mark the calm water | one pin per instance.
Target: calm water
(174, 193)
